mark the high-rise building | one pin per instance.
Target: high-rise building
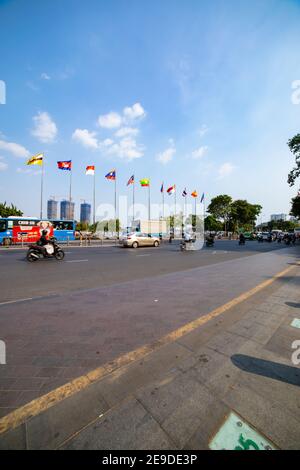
(276, 217)
(52, 209)
(67, 210)
(85, 213)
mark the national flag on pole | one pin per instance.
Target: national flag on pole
(130, 181)
(111, 175)
(194, 194)
(171, 190)
(184, 193)
(65, 165)
(162, 188)
(145, 182)
(90, 170)
(36, 159)
(202, 198)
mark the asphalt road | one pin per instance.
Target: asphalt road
(86, 268)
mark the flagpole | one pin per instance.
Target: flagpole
(133, 189)
(175, 211)
(94, 202)
(116, 201)
(70, 190)
(184, 224)
(42, 187)
(203, 214)
(149, 210)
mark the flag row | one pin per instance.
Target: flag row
(66, 165)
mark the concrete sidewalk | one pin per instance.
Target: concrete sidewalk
(230, 383)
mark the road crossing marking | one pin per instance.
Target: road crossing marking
(77, 261)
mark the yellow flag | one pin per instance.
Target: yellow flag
(36, 159)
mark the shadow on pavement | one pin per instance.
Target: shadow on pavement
(293, 304)
(272, 370)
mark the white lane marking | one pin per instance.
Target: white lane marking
(77, 261)
(15, 301)
(138, 256)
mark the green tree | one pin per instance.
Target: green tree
(284, 225)
(220, 208)
(82, 226)
(212, 224)
(6, 211)
(243, 214)
(294, 146)
(295, 210)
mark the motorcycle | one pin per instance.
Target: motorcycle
(52, 249)
(210, 243)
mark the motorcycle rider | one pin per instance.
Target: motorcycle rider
(242, 239)
(43, 241)
(210, 239)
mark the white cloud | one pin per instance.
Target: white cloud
(86, 138)
(203, 130)
(107, 142)
(127, 149)
(3, 165)
(125, 131)
(45, 129)
(111, 120)
(134, 112)
(199, 153)
(16, 149)
(167, 155)
(225, 170)
(45, 76)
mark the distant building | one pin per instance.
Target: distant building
(85, 213)
(67, 210)
(277, 217)
(52, 209)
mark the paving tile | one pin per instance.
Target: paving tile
(123, 382)
(226, 343)
(272, 420)
(128, 426)
(14, 439)
(50, 428)
(9, 398)
(5, 411)
(179, 403)
(278, 390)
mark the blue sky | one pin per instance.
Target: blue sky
(204, 94)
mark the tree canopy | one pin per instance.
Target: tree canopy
(295, 210)
(243, 213)
(234, 214)
(294, 146)
(220, 207)
(212, 224)
(6, 211)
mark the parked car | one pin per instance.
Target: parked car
(137, 239)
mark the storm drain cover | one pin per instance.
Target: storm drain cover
(236, 434)
(296, 323)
